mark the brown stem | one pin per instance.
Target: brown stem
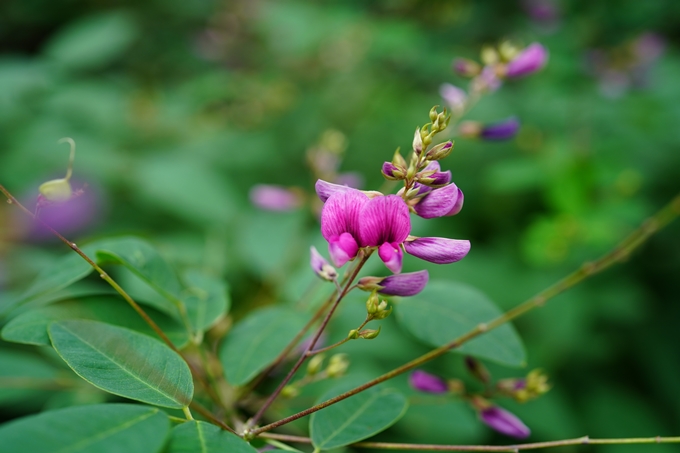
(311, 345)
(619, 253)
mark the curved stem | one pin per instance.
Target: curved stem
(341, 342)
(304, 356)
(72, 156)
(618, 253)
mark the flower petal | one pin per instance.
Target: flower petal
(504, 422)
(438, 203)
(426, 382)
(438, 250)
(392, 256)
(502, 130)
(458, 206)
(274, 198)
(325, 189)
(528, 61)
(341, 212)
(384, 219)
(405, 285)
(342, 248)
(320, 266)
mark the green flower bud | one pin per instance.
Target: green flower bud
(440, 151)
(337, 365)
(57, 190)
(489, 55)
(353, 334)
(417, 142)
(372, 303)
(314, 365)
(433, 113)
(370, 334)
(290, 391)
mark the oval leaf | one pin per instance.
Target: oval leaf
(101, 428)
(208, 300)
(446, 310)
(123, 362)
(256, 341)
(195, 436)
(356, 418)
(31, 327)
(25, 376)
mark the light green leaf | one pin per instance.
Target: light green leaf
(93, 41)
(256, 341)
(355, 418)
(101, 428)
(23, 376)
(196, 436)
(446, 310)
(31, 327)
(208, 301)
(123, 362)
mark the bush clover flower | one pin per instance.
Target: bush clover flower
(504, 422)
(404, 285)
(275, 198)
(532, 59)
(425, 382)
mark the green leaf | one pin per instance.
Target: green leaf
(208, 300)
(196, 436)
(123, 362)
(447, 310)
(256, 341)
(31, 327)
(24, 376)
(101, 428)
(93, 41)
(355, 418)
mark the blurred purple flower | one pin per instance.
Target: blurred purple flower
(487, 80)
(501, 130)
(528, 61)
(350, 179)
(504, 422)
(453, 96)
(426, 382)
(437, 250)
(274, 198)
(404, 285)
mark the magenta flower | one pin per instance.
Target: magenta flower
(274, 198)
(350, 219)
(528, 61)
(440, 202)
(432, 175)
(426, 382)
(504, 422)
(502, 130)
(320, 266)
(453, 96)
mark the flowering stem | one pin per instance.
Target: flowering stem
(135, 306)
(586, 440)
(618, 253)
(362, 260)
(341, 342)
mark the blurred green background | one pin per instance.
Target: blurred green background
(179, 107)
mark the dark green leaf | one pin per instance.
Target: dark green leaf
(101, 428)
(256, 340)
(196, 436)
(355, 418)
(447, 310)
(123, 362)
(23, 376)
(31, 327)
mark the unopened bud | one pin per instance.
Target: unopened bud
(314, 365)
(337, 365)
(440, 151)
(477, 369)
(370, 334)
(383, 312)
(417, 142)
(321, 267)
(372, 303)
(290, 391)
(353, 334)
(433, 113)
(507, 50)
(59, 190)
(392, 172)
(466, 68)
(489, 55)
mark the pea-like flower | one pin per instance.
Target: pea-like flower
(528, 61)
(350, 220)
(425, 382)
(504, 422)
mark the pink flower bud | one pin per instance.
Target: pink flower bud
(426, 382)
(504, 422)
(528, 61)
(274, 198)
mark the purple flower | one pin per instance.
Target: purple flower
(487, 80)
(504, 422)
(426, 382)
(528, 61)
(325, 189)
(501, 130)
(457, 206)
(437, 250)
(439, 202)
(432, 175)
(404, 285)
(351, 219)
(274, 198)
(453, 96)
(320, 266)
(391, 171)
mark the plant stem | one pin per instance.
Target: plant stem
(618, 253)
(341, 342)
(310, 347)
(209, 415)
(135, 306)
(498, 448)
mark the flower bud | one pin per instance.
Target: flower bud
(477, 369)
(290, 391)
(466, 68)
(453, 96)
(433, 113)
(524, 389)
(407, 284)
(314, 365)
(528, 61)
(56, 190)
(489, 55)
(392, 172)
(321, 267)
(440, 151)
(508, 51)
(504, 422)
(372, 303)
(353, 334)
(418, 142)
(502, 130)
(337, 365)
(383, 312)
(370, 334)
(426, 382)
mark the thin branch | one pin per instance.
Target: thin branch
(619, 253)
(311, 345)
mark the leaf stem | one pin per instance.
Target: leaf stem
(341, 342)
(310, 347)
(618, 253)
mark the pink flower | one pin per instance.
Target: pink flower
(504, 422)
(426, 382)
(350, 220)
(274, 198)
(528, 61)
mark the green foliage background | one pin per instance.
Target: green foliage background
(178, 108)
